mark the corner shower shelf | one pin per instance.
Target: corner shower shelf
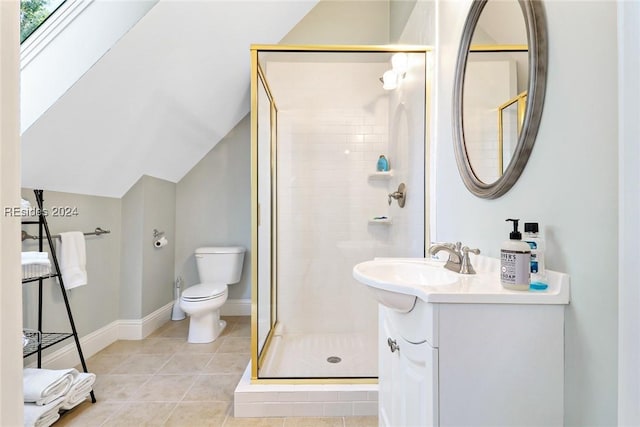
(387, 221)
(379, 176)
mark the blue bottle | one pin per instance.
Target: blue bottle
(383, 164)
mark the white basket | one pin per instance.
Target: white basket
(30, 271)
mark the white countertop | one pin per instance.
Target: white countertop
(484, 287)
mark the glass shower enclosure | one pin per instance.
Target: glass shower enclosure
(320, 120)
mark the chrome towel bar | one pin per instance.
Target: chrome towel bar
(97, 232)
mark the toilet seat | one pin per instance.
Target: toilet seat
(204, 291)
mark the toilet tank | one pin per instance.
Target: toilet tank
(220, 264)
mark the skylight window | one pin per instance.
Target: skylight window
(33, 13)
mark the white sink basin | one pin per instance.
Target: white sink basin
(383, 277)
(397, 282)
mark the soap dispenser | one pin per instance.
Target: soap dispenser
(515, 261)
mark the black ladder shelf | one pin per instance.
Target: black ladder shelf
(45, 340)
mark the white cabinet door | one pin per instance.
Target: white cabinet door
(418, 376)
(407, 378)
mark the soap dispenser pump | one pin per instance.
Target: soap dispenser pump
(515, 261)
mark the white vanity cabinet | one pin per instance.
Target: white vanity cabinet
(471, 365)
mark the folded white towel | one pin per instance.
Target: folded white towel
(35, 261)
(73, 259)
(35, 258)
(43, 386)
(79, 391)
(25, 204)
(42, 415)
(34, 254)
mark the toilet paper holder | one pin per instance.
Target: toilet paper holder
(158, 239)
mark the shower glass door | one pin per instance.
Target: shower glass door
(322, 207)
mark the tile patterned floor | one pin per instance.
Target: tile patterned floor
(165, 381)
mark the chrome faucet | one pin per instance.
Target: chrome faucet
(459, 260)
(455, 256)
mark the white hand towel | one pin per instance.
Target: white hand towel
(43, 386)
(73, 259)
(79, 391)
(42, 415)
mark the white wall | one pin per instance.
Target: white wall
(159, 100)
(569, 186)
(56, 55)
(629, 159)
(343, 22)
(10, 299)
(399, 13)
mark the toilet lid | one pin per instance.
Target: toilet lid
(203, 291)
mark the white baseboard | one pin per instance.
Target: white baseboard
(125, 329)
(137, 329)
(236, 307)
(92, 343)
(97, 340)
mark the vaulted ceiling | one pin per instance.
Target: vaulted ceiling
(158, 101)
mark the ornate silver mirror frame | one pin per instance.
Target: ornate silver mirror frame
(535, 21)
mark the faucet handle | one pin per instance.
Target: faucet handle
(466, 267)
(466, 250)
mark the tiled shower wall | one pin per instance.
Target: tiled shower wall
(328, 192)
(325, 199)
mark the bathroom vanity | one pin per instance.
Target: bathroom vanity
(460, 350)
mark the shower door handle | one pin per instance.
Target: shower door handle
(393, 345)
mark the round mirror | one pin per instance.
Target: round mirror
(498, 92)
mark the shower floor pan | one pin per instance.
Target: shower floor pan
(312, 356)
(321, 356)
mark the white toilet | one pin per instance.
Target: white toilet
(217, 268)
